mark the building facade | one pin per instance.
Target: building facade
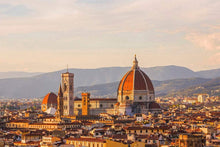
(67, 89)
(135, 94)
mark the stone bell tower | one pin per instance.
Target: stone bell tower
(67, 86)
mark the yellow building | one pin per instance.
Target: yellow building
(145, 130)
(189, 140)
(85, 103)
(96, 106)
(49, 141)
(17, 124)
(95, 142)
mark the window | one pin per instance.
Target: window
(127, 97)
(100, 106)
(140, 131)
(79, 105)
(140, 97)
(112, 105)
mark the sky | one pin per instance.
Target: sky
(46, 35)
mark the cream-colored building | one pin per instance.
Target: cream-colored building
(96, 106)
(202, 98)
(135, 94)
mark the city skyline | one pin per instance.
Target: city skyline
(45, 36)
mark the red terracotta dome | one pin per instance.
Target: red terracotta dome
(50, 98)
(135, 79)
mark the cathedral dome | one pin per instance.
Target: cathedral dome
(136, 79)
(50, 99)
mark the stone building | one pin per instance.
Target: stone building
(135, 94)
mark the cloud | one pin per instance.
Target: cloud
(215, 59)
(110, 16)
(210, 41)
(110, 25)
(14, 11)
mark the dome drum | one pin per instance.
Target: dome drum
(136, 89)
(50, 100)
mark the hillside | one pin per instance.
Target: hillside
(212, 87)
(39, 85)
(6, 75)
(162, 88)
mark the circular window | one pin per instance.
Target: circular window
(78, 105)
(140, 98)
(127, 97)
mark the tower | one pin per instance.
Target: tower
(59, 111)
(67, 85)
(85, 103)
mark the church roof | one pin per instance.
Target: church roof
(50, 98)
(135, 79)
(154, 105)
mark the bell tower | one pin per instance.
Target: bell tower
(67, 86)
(85, 103)
(59, 112)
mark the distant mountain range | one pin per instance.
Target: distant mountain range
(90, 79)
(177, 87)
(15, 74)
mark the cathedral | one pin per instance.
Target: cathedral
(135, 94)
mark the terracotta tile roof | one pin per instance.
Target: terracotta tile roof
(87, 139)
(154, 105)
(50, 98)
(135, 79)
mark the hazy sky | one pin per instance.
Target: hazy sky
(46, 35)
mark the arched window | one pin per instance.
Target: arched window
(127, 97)
(140, 97)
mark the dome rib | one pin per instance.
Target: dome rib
(148, 82)
(121, 85)
(135, 79)
(50, 98)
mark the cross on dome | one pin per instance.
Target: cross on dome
(135, 63)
